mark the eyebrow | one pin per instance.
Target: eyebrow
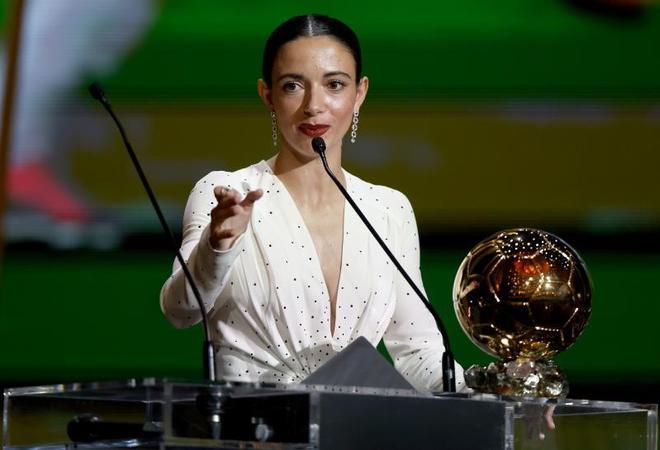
(299, 76)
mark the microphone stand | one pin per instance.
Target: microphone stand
(448, 362)
(210, 401)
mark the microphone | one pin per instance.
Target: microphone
(212, 399)
(96, 91)
(448, 364)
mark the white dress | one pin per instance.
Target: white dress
(266, 298)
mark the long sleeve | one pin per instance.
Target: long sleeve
(209, 267)
(412, 337)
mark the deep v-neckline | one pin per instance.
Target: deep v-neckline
(310, 241)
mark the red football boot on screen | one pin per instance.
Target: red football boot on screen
(34, 186)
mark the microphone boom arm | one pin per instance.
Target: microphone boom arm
(208, 351)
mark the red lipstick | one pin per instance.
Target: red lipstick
(313, 130)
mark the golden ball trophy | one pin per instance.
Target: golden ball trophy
(522, 295)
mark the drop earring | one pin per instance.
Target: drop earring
(273, 120)
(354, 127)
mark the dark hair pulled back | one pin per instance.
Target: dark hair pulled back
(307, 26)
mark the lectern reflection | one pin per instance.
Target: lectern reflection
(538, 419)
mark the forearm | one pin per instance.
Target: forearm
(421, 364)
(209, 269)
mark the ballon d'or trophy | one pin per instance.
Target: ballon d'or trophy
(522, 295)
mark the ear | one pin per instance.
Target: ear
(265, 93)
(362, 88)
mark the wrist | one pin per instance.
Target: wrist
(221, 244)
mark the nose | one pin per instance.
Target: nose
(314, 101)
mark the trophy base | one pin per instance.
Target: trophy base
(519, 378)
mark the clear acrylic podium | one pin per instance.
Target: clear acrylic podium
(160, 413)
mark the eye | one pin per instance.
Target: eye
(336, 85)
(290, 86)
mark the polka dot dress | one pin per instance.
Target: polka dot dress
(266, 297)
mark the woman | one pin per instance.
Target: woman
(288, 273)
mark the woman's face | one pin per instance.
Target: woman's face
(314, 92)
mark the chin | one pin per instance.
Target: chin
(305, 145)
(302, 146)
(303, 151)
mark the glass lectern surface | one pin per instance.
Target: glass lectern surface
(160, 413)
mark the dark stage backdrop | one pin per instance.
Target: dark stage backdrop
(487, 116)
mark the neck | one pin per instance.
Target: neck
(306, 179)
